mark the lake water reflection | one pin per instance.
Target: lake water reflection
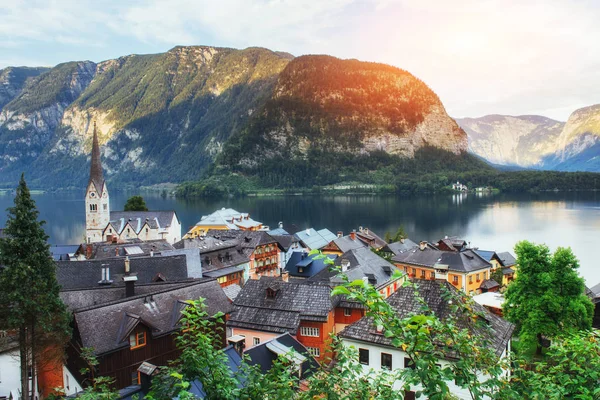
(494, 222)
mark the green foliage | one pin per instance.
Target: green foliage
(29, 299)
(497, 275)
(135, 203)
(570, 370)
(399, 235)
(547, 298)
(100, 387)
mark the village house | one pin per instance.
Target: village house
(509, 267)
(459, 187)
(137, 328)
(303, 265)
(290, 245)
(395, 248)
(102, 224)
(225, 219)
(370, 238)
(466, 270)
(342, 244)
(376, 352)
(126, 248)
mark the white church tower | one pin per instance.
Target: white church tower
(97, 204)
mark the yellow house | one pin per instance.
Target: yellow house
(509, 267)
(465, 270)
(225, 219)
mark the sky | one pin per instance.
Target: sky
(480, 56)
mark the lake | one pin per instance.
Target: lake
(490, 222)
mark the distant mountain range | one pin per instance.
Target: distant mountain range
(536, 142)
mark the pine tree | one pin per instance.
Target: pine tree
(29, 299)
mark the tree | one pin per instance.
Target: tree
(29, 299)
(399, 235)
(547, 298)
(135, 203)
(497, 275)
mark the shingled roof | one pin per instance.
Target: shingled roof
(463, 261)
(363, 263)
(507, 259)
(137, 219)
(88, 274)
(283, 311)
(405, 304)
(160, 312)
(400, 246)
(132, 248)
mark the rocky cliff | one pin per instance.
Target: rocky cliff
(523, 141)
(328, 105)
(538, 142)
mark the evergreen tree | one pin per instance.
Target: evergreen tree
(29, 299)
(135, 203)
(547, 298)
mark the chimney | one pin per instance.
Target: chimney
(117, 251)
(345, 264)
(360, 229)
(422, 245)
(127, 269)
(285, 276)
(280, 224)
(367, 231)
(130, 280)
(401, 240)
(88, 251)
(340, 234)
(115, 238)
(353, 234)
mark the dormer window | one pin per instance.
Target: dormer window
(137, 340)
(271, 293)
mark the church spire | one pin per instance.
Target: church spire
(96, 175)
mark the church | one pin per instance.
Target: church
(104, 225)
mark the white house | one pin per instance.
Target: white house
(376, 351)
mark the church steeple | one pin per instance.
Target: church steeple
(96, 175)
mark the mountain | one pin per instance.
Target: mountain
(324, 110)
(579, 142)
(533, 141)
(167, 117)
(523, 141)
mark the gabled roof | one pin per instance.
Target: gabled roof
(346, 243)
(88, 274)
(464, 261)
(507, 259)
(293, 302)
(400, 247)
(370, 238)
(264, 355)
(245, 239)
(160, 312)
(310, 266)
(487, 255)
(285, 241)
(363, 264)
(314, 240)
(138, 219)
(489, 284)
(230, 218)
(405, 303)
(61, 252)
(278, 231)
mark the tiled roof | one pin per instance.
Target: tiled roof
(464, 261)
(489, 284)
(159, 311)
(137, 219)
(285, 241)
(231, 291)
(292, 302)
(507, 259)
(400, 247)
(370, 238)
(102, 250)
(345, 243)
(404, 302)
(88, 274)
(310, 266)
(363, 263)
(315, 240)
(229, 218)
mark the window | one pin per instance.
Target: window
(470, 278)
(94, 207)
(477, 277)
(432, 275)
(105, 207)
(300, 270)
(363, 356)
(137, 340)
(146, 230)
(222, 279)
(255, 341)
(386, 361)
(347, 312)
(455, 279)
(314, 351)
(423, 273)
(408, 363)
(135, 378)
(309, 331)
(484, 276)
